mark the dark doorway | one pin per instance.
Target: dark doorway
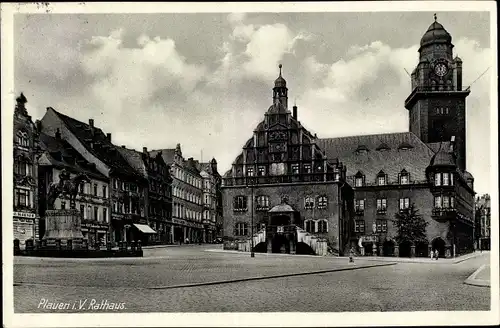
(280, 220)
(368, 249)
(439, 245)
(388, 248)
(422, 249)
(303, 248)
(405, 249)
(260, 248)
(280, 244)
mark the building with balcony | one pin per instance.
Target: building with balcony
(93, 198)
(126, 186)
(212, 214)
(187, 193)
(483, 219)
(158, 195)
(388, 172)
(25, 216)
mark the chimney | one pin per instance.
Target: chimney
(91, 122)
(145, 150)
(294, 114)
(58, 134)
(123, 146)
(108, 136)
(38, 125)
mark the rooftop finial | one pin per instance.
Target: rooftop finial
(280, 66)
(435, 17)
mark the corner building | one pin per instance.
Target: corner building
(283, 187)
(388, 172)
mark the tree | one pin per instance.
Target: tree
(410, 226)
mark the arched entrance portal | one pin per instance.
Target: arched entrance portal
(405, 249)
(281, 244)
(280, 220)
(388, 248)
(439, 245)
(422, 249)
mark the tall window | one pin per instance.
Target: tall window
(359, 205)
(95, 189)
(250, 171)
(96, 213)
(404, 203)
(404, 178)
(446, 179)
(240, 203)
(115, 183)
(105, 214)
(381, 205)
(82, 211)
(381, 179)
(322, 202)
(262, 202)
(241, 229)
(359, 226)
(295, 168)
(307, 168)
(309, 202)
(261, 170)
(22, 139)
(310, 226)
(381, 225)
(437, 179)
(22, 197)
(322, 226)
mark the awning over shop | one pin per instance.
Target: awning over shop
(144, 228)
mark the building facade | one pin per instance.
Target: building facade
(25, 215)
(93, 198)
(211, 202)
(187, 206)
(126, 187)
(158, 194)
(282, 183)
(388, 173)
(483, 217)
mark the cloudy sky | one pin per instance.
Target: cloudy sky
(205, 80)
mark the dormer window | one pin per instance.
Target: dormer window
(381, 179)
(405, 146)
(404, 178)
(359, 179)
(383, 147)
(362, 149)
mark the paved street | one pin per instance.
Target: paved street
(151, 284)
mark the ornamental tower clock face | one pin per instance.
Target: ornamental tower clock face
(440, 69)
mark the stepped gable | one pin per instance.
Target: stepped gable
(392, 158)
(67, 157)
(134, 158)
(167, 154)
(102, 149)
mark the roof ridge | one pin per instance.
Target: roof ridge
(367, 135)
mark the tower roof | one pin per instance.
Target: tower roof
(436, 33)
(280, 82)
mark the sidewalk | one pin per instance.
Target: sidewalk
(481, 277)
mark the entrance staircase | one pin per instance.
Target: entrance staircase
(317, 244)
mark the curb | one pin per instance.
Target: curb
(477, 282)
(270, 277)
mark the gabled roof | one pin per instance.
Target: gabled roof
(102, 149)
(62, 155)
(167, 154)
(134, 158)
(391, 161)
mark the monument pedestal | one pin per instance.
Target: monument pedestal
(63, 229)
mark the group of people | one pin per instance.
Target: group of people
(434, 254)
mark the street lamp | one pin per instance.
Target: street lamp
(252, 254)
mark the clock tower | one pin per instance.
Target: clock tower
(436, 104)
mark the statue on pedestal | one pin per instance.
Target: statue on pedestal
(66, 186)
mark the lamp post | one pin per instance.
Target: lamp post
(252, 254)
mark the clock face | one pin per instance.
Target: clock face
(440, 69)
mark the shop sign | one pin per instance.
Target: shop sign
(176, 221)
(25, 215)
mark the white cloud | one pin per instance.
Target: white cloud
(236, 18)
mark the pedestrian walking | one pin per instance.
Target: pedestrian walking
(351, 255)
(437, 254)
(432, 254)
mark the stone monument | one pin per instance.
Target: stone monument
(63, 226)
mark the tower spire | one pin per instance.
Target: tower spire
(280, 66)
(435, 17)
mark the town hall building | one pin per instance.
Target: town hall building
(293, 191)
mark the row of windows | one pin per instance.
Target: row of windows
(444, 202)
(443, 179)
(160, 188)
(316, 226)
(88, 188)
(180, 211)
(442, 110)
(126, 186)
(91, 212)
(403, 179)
(186, 195)
(359, 204)
(128, 208)
(186, 177)
(295, 169)
(262, 202)
(381, 226)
